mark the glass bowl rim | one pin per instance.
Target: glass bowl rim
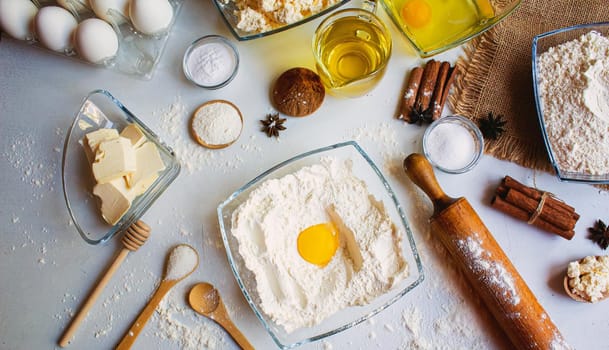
(564, 176)
(166, 178)
(396, 204)
(205, 39)
(468, 124)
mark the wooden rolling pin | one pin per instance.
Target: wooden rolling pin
(485, 265)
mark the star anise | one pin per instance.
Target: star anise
(272, 125)
(420, 116)
(492, 126)
(599, 234)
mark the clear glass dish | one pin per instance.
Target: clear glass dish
(138, 54)
(365, 169)
(102, 110)
(205, 40)
(229, 9)
(501, 10)
(541, 43)
(472, 129)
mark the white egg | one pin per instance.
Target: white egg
(95, 40)
(104, 8)
(151, 16)
(74, 5)
(54, 27)
(16, 17)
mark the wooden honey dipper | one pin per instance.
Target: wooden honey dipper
(135, 236)
(485, 265)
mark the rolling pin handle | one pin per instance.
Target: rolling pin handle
(419, 170)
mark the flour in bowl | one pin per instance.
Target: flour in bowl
(574, 90)
(367, 263)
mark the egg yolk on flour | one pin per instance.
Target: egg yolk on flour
(416, 13)
(318, 243)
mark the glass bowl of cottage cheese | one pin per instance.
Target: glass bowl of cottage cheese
(319, 243)
(256, 19)
(571, 86)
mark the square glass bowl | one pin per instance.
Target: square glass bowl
(102, 110)
(541, 44)
(363, 168)
(427, 46)
(229, 11)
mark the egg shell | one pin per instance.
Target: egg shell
(77, 6)
(95, 40)
(16, 18)
(151, 16)
(54, 27)
(102, 8)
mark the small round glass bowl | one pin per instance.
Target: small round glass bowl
(453, 144)
(211, 62)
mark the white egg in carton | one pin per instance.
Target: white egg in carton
(125, 35)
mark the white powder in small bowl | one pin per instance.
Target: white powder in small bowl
(217, 124)
(182, 261)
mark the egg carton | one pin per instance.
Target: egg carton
(138, 53)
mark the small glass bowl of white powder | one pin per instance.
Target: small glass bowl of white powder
(211, 62)
(453, 144)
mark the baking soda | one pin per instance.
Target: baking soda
(211, 64)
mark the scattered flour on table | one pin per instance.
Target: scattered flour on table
(292, 291)
(574, 89)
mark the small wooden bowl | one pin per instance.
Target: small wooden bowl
(203, 142)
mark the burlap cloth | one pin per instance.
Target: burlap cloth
(496, 75)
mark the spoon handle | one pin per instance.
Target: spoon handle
(137, 326)
(221, 316)
(84, 310)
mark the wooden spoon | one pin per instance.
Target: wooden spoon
(205, 300)
(135, 236)
(578, 297)
(165, 286)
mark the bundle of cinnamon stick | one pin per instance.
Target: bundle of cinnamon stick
(538, 208)
(426, 91)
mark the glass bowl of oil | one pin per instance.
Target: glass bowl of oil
(434, 26)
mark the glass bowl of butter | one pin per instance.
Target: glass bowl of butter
(113, 168)
(318, 244)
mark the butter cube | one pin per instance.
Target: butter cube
(149, 163)
(135, 134)
(115, 198)
(94, 138)
(113, 159)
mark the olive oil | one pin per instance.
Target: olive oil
(432, 24)
(351, 54)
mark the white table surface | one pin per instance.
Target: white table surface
(46, 269)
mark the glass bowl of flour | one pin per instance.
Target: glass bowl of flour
(571, 86)
(372, 263)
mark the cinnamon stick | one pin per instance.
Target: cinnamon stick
(451, 77)
(547, 213)
(504, 206)
(428, 84)
(410, 94)
(536, 194)
(436, 99)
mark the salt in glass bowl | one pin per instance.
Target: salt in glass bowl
(541, 43)
(205, 40)
(363, 168)
(502, 9)
(473, 131)
(102, 110)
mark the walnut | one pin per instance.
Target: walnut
(298, 92)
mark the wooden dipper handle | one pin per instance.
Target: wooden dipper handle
(485, 265)
(135, 236)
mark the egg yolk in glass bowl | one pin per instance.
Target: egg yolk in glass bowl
(318, 243)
